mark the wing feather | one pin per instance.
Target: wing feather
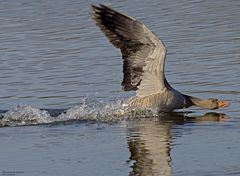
(143, 53)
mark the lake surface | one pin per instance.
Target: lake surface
(60, 92)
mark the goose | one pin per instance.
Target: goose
(143, 55)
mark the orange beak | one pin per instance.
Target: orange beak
(223, 104)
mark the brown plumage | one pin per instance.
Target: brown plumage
(143, 55)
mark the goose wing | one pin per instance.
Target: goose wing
(143, 53)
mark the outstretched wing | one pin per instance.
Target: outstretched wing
(142, 51)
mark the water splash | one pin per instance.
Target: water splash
(90, 108)
(98, 111)
(24, 115)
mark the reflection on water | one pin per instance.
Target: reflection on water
(150, 149)
(149, 142)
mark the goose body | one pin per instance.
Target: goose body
(144, 55)
(166, 101)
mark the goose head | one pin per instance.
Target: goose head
(213, 103)
(210, 103)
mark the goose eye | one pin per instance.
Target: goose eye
(214, 100)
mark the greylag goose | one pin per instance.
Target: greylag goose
(143, 55)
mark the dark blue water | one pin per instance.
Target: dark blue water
(60, 92)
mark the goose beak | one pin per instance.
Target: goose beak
(223, 104)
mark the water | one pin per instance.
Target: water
(60, 93)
